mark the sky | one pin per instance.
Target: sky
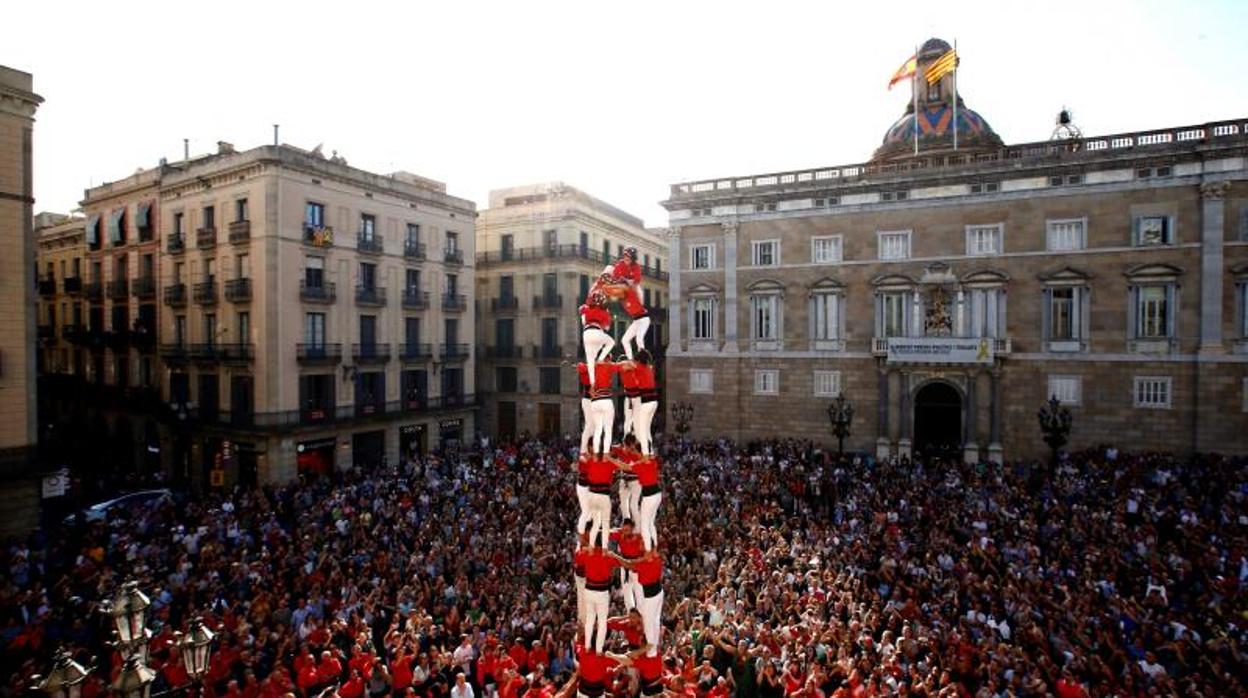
(620, 99)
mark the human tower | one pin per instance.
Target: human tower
(631, 549)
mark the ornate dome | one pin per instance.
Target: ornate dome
(935, 117)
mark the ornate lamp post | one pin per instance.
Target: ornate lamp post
(682, 413)
(135, 679)
(1055, 421)
(840, 416)
(129, 611)
(66, 678)
(195, 646)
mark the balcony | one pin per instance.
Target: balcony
(1066, 346)
(205, 353)
(454, 352)
(369, 243)
(1153, 345)
(323, 292)
(205, 293)
(454, 302)
(238, 290)
(1000, 346)
(828, 345)
(415, 352)
(453, 256)
(413, 249)
(318, 235)
(548, 301)
(504, 352)
(504, 303)
(176, 244)
(177, 353)
(240, 232)
(316, 414)
(94, 291)
(47, 286)
(318, 353)
(370, 295)
(369, 408)
(118, 290)
(206, 238)
(414, 299)
(72, 284)
(547, 351)
(237, 352)
(144, 287)
(175, 295)
(370, 353)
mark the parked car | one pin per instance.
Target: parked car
(142, 499)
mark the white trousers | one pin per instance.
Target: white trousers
(580, 600)
(629, 412)
(635, 334)
(591, 424)
(599, 506)
(649, 512)
(604, 412)
(630, 499)
(651, 608)
(598, 345)
(582, 499)
(626, 589)
(643, 415)
(597, 606)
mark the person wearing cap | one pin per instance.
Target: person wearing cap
(628, 273)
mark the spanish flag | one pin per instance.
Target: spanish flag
(942, 66)
(906, 71)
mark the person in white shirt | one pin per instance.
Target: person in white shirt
(461, 689)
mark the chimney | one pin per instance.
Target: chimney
(224, 148)
(275, 141)
(186, 151)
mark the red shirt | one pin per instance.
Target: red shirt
(329, 670)
(624, 270)
(578, 564)
(649, 571)
(650, 668)
(631, 546)
(647, 471)
(538, 655)
(644, 375)
(632, 634)
(353, 688)
(593, 666)
(591, 315)
(598, 566)
(308, 676)
(604, 372)
(518, 655)
(600, 472)
(582, 372)
(401, 670)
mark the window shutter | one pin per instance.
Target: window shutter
(1002, 296)
(1172, 310)
(1133, 295)
(879, 315)
(840, 316)
(1171, 222)
(1046, 314)
(1135, 231)
(1085, 313)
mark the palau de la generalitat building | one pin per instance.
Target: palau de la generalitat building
(949, 293)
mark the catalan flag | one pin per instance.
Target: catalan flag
(942, 66)
(906, 71)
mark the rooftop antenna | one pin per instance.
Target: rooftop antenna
(1065, 126)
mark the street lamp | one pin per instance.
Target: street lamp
(682, 413)
(1055, 421)
(840, 415)
(129, 611)
(135, 679)
(66, 678)
(195, 647)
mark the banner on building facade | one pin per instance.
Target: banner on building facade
(940, 350)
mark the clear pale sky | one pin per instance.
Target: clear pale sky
(619, 99)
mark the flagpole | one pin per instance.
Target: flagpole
(955, 94)
(914, 90)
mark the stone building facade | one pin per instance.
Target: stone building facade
(305, 316)
(948, 294)
(539, 247)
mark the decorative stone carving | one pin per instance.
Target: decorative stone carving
(1214, 191)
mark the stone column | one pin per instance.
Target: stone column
(995, 451)
(906, 416)
(881, 415)
(970, 438)
(730, 286)
(1212, 224)
(675, 303)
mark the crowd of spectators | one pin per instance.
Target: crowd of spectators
(790, 572)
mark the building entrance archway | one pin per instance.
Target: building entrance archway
(938, 420)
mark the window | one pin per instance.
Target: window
(986, 312)
(1065, 235)
(210, 270)
(505, 379)
(314, 329)
(702, 319)
(506, 287)
(1066, 313)
(766, 253)
(900, 195)
(606, 251)
(1152, 312)
(411, 330)
(701, 256)
(507, 246)
(827, 383)
(412, 280)
(548, 380)
(1152, 231)
(450, 329)
(1067, 389)
(209, 217)
(178, 223)
(584, 286)
(825, 316)
(825, 250)
(1061, 180)
(550, 335)
(117, 226)
(550, 286)
(894, 245)
(314, 215)
(368, 226)
(452, 285)
(1241, 308)
(550, 238)
(179, 330)
(985, 187)
(701, 380)
(893, 307)
(452, 241)
(368, 276)
(242, 322)
(765, 311)
(179, 272)
(413, 234)
(210, 329)
(761, 208)
(766, 381)
(242, 266)
(368, 330)
(983, 240)
(505, 334)
(241, 211)
(1152, 392)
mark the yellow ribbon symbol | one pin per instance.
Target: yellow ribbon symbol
(982, 354)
